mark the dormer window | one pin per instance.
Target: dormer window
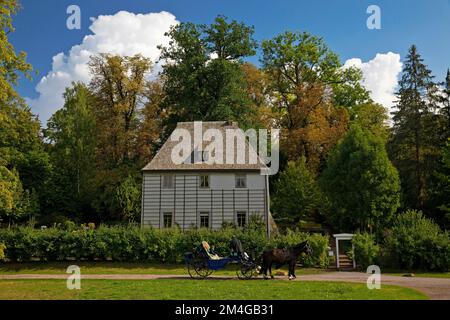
(199, 156)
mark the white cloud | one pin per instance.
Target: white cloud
(123, 33)
(380, 76)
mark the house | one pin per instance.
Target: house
(202, 193)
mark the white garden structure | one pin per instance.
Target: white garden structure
(343, 237)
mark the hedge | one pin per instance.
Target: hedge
(415, 242)
(144, 245)
(2, 252)
(366, 250)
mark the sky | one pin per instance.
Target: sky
(59, 55)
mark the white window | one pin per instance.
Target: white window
(167, 181)
(167, 219)
(204, 181)
(241, 181)
(204, 219)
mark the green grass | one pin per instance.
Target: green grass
(117, 268)
(180, 289)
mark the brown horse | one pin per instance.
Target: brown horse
(283, 256)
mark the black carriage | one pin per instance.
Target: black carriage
(203, 261)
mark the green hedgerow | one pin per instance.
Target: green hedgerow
(416, 242)
(120, 243)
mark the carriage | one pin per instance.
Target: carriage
(203, 261)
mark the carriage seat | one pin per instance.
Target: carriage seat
(212, 255)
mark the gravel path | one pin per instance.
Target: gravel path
(434, 288)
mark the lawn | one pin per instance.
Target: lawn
(118, 268)
(181, 289)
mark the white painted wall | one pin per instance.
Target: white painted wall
(186, 200)
(227, 181)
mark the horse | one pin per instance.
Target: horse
(283, 256)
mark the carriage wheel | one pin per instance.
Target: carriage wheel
(191, 270)
(202, 270)
(199, 269)
(247, 271)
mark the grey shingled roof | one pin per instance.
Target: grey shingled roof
(163, 162)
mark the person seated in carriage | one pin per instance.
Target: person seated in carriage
(209, 251)
(236, 248)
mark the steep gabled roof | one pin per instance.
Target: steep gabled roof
(163, 159)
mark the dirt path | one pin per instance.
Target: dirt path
(434, 288)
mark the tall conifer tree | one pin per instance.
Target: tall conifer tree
(413, 145)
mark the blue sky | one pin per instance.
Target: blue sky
(41, 27)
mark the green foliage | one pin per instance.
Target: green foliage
(148, 244)
(205, 80)
(297, 195)
(15, 203)
(21, 147)
(128, 196)
(442, 188)
(373, 117)
(417, 131)
(361, 183)
(2, 252)
(366, 250)
(11, 63)
(298, 59)
(415, 242)
(444, 99)
(71, 130)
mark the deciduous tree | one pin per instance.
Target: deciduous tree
(203, 78)
(11, 63)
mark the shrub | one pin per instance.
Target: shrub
(129, 243)
(2, 252)
(415, 242)
(366, 251)
(297, 194)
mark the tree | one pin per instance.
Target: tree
(360, 183)
(21, 147)
(297, 195)
(11, 63)
(316, 128)
(373, 117)
(71, 132)
(15, 202)
(298, 62)
(120, 89)
(128, 195)
(445, 100)
(416, 130)
(204, 79)
(118, 85)
(263, 113)
(442, 188)
(313, 92)
(152, 118)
